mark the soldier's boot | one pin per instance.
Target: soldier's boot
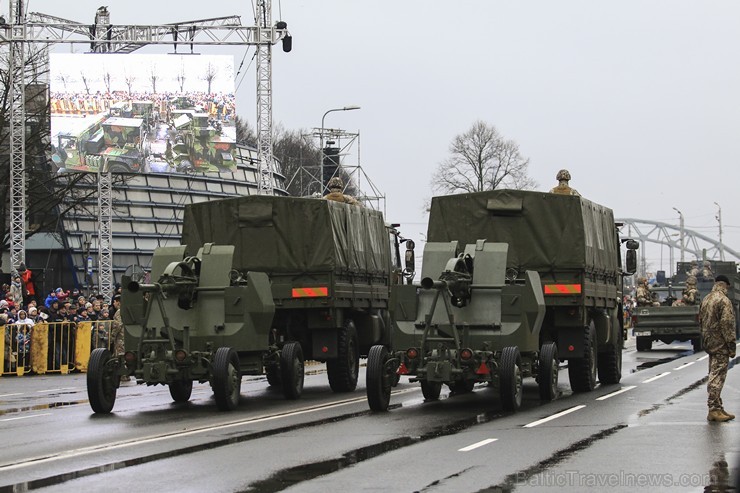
(717, 415)
(731, 416)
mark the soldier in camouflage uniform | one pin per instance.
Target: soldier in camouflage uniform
(706, 270)
(644, 297)
(563, 188)
(690, 295)
(116, 334)
(717, 321)
(336, 188)
(694, 270)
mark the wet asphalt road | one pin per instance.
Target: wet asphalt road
(649, 433)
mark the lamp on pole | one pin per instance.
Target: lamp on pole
(719, 220)
(321, 141)
(680, 219)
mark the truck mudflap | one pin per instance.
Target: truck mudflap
(570, 342)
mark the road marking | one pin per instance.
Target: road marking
(554, 416)
(477, 444)
(624, 389)
(25, 417)
(684, 365)
(8, 395)
(660, 375)
(703, 357)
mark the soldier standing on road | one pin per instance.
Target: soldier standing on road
(563, 188)
(336, 188)
(717, 320)
(116, 334)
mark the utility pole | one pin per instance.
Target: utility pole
(43, 30)
(718, 217)
(680, 219)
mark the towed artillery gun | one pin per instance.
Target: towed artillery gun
(564, 249)
(275, 281)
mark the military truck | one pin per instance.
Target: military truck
(668, 323)
(512, 283)
(201, 144)
(112, 143)
(260, 285)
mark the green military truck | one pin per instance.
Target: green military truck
(512, 282)
(668, 323)
(260, 285)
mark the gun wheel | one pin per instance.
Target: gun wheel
(547, 374)
(291, 366)
(431, 390)
(510, 376)
(102, 381)
(380, 378)
(181, 390)
(227, 379)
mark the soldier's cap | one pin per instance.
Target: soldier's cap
(722, 278)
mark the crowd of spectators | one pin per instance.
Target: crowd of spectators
(59, 305)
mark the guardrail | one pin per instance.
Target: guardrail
(58, 347)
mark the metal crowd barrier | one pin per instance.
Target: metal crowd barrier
(57, 347)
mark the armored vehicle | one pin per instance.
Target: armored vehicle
(668, 323)
(538, 280)
(259, 285)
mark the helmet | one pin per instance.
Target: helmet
(707, 264)
(691, 280)
(335, 182)
(563, 174)
(641, 280)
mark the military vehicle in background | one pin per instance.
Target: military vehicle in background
(201, 144)
(260, 284)
(114, 143)
(668, 323)
(512, 283)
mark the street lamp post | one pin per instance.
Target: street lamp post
(719, 220)
(680, 219)
(321, 142)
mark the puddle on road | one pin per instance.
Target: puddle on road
(306, 472)
(41, 407)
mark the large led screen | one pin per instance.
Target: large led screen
(143, 113)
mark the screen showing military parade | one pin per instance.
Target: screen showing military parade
(142, 113)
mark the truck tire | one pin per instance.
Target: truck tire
(102, 382)
(431, 390)
(344, 370)
(510, 379)
(610, 361)
(379, 379)
(181, 390)
(273, 375)
(547, 373)
(582, 371)
(644, 343)
(227, 379)
(697, 344)
(291, 370)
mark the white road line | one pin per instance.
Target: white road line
(8, 395)
(684, 365)
(554, 416)
(660, 375)
(703, 357)
(478, 444)
(25, 417)
(624, 389)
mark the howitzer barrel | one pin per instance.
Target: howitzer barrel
(429, 283)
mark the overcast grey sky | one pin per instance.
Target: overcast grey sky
(639, 99)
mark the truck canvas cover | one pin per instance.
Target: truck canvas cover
(544, 231)
(292, 235)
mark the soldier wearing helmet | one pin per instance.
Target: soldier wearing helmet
(690, 295)
(706, 270)
(644, 297)
(336, 189)
(563, 177)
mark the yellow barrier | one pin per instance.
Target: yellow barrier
(58, 347)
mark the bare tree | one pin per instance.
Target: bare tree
(181, 78)
(153, 76)
(210, 75)
(298, 156)
(129, 80)
(64, 79)
(482, 159)
(106, 79)
(83, 76)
